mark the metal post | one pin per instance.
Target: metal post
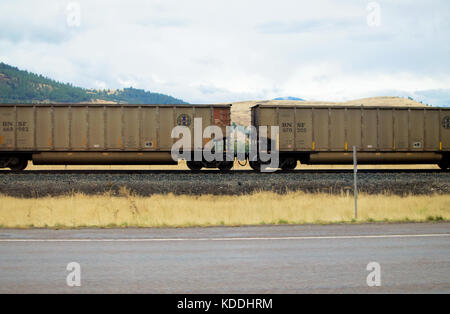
(355, 188)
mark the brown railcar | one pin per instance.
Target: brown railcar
(79, 134)
(382, 135)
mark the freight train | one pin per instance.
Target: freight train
(94, 134)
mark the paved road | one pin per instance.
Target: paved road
(269, 259)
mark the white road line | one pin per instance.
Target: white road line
(379, 236)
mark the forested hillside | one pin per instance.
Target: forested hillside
(17, 86)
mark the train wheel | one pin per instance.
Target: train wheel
(288, 164)
(255, 165)
(444, 164)
(194, 165)
(17, 163)
(226, 165)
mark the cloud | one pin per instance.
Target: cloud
(317, 82)
(307, 26)
(221, 51)
(26, 21)
(440, 97)
(163, 22)
(17, 34)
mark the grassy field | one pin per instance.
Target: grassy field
(105, 211)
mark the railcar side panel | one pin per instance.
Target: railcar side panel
(416, 130)
(78, 128)
(320, 130)
(185, 117)
(353, 128)
(369, 130)
(25, 127)
(444, 122)
(303, 134)
(167, 122)
(131, 127)
(401, 130)
(60, 128)
(381, 134)
(267, 118)
(149, 128)
(205, 115)
(337, 129)
(385, 130)
(96, 129)
(431, 129)
(114, 128)
(43, 129)
(286, 121)
(7, 131)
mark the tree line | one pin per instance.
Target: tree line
(18, 86)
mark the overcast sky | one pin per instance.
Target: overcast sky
(221, 51)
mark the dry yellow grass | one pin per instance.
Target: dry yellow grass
(78, 210)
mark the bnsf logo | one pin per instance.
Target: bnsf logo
(446, 122)
(184, 120)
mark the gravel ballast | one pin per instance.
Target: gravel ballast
(53, 183)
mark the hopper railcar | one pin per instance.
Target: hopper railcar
(382, 135)
(94, 134)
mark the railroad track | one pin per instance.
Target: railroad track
(237, 182)
(204, 172)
